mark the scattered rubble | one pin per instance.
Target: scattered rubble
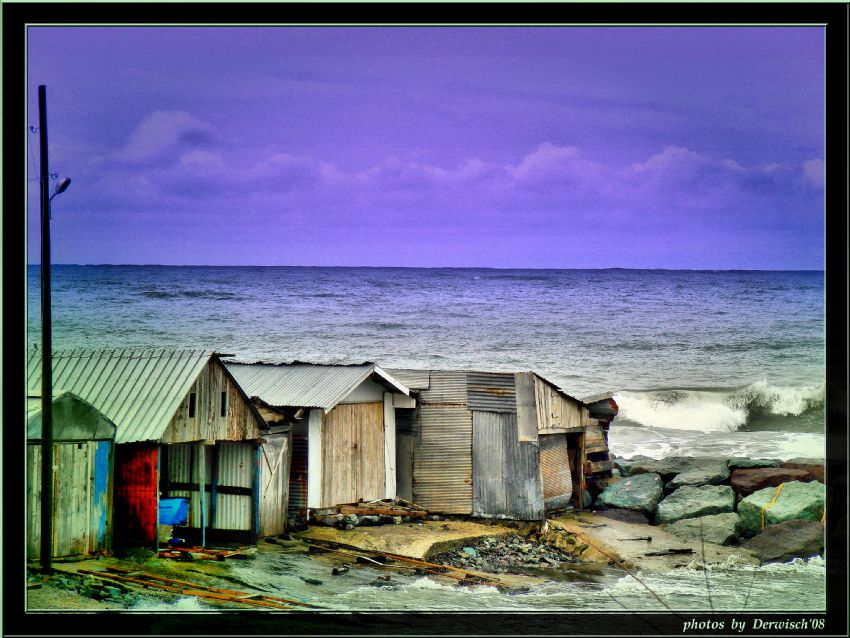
(511, 555)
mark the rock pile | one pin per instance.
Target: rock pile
(725, 501)
(513, 555)
(350, 521)
(91, 588)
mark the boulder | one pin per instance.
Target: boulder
(747, 481)
(368, 520)
(797, 500)
(740, 462)
(705, 475)
(691, 502)
(807, 460)
(814, 471)
(641, 492)
(666, 468)
(596, 485)
(714, 528)
(787, 540)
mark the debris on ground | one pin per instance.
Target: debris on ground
(512, 554)
(386, 511)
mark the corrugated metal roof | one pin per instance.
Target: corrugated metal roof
(597, 397)
(413, 379)
(306, 385)
(137, 389)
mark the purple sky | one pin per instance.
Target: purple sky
(506, 147)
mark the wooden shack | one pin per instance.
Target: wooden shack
(343, 432)
(490, 444)
(183, 428)
(82, 478)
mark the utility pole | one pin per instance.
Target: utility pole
(46, 348)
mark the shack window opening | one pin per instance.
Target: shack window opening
(224, 404)
(192, 405)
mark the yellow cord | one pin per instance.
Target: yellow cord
(770, 504)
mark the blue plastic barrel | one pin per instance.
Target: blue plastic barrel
(173, 511)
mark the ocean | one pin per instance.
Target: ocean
(702, 363)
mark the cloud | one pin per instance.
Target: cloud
(162, 135)
(813, 172)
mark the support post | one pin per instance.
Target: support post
(203, 479)
(46, 347)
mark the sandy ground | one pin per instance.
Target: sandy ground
(410, 539)
(52, 598)
(609, 538)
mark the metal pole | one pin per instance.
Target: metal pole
(46, 347)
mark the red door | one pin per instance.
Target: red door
(135, 496)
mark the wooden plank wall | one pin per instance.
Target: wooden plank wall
(555, 412)
(81, 498)
(353, 463)
(505, 472)
(33, 501)
(239, 424)
(275, 456)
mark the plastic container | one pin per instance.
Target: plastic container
(173, 511)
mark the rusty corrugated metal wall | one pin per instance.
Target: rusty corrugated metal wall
(491, 391)
(298, 475)
(555, 467)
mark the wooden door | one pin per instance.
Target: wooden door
(353, 464)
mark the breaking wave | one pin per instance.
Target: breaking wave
(759, 406)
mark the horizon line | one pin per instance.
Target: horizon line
(440, 267)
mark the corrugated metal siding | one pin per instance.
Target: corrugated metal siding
(138, 390)
(353, 463)
(413, 379)
(447, 386)
(275, 458)
(136, 494)
(506, 472)
(299, 385)
(298, 475)
(236, 467)
(442, 464)
(555, 467)
(491, 391)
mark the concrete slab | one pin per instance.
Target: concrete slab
(408, 539)
(609, 538)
